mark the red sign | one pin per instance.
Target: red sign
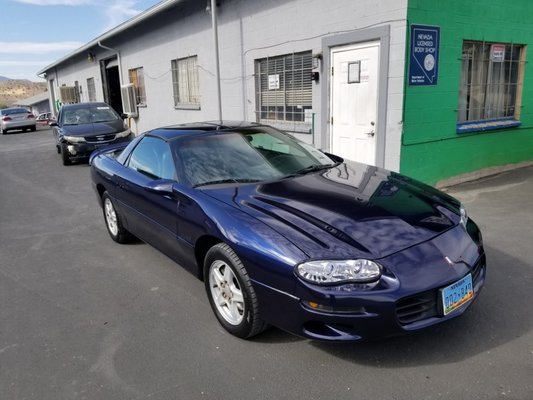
(497, 53)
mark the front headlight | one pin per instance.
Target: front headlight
(339, 271)
(464, 215)
(74, 139)
(123, 133)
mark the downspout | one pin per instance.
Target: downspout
(119, 61)
(217, 58)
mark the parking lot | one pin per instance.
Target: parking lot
(82, 317)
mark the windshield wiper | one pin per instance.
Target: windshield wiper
(313, 168)
(229, 180)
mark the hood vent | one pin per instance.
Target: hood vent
(316, 222)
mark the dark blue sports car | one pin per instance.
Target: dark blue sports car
(287, 235)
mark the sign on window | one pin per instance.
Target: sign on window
(497, 53)
(273, 82)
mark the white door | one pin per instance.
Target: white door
(354, 95)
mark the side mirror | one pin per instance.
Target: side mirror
(123, 115)
(53, 123)
(161, 186)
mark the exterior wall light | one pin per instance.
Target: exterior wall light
(316, 60)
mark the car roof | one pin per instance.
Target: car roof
(172, 132)
(85, 105)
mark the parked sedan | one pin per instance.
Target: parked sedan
(15, 119)
(83, 127)
(283, 234)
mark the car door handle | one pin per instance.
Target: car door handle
(122, 184)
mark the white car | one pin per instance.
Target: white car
(16, 118)
(44, 118)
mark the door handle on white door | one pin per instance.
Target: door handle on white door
(371, 133)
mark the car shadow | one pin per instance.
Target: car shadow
(498, 316)
(15, 132)
(275, 335)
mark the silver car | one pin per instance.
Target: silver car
(16, 118)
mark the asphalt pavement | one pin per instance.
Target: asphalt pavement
(82, 317)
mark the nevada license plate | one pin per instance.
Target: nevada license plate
(457, 294)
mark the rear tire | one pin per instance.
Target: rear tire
(33, 128)
(231, 294)
(113, 222)
(64, 155)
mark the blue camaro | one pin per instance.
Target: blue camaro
(284, 234)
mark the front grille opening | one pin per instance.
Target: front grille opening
(417, 308)
(476, 270)
(100, 138)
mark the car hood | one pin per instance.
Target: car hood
(92, 129)
(351, 210)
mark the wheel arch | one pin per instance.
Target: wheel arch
(100, 189)
(202, 246)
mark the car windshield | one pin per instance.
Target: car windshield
(247, 155)
(90, 115)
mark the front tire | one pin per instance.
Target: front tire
(230, 292)
(113, 222)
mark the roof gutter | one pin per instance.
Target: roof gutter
(162, 6)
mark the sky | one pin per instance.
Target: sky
(35, 33)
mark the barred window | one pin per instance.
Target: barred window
(284, 89)
(91, 89)
(137, 78)
(491, 81)
(185, 81)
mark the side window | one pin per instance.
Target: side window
(153, 158)
(185, 81)
(137, 78)
(284, 90)
(490, 93)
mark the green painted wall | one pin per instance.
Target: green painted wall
(431, 149)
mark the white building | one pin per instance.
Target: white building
(330, 72)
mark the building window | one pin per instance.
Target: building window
(137, 78)
(284, 89)
(491, 84)
(91, 89)
(185, 82)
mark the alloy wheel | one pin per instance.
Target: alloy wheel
(226, 292)
(110, 217)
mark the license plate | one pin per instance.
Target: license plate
(457, 294)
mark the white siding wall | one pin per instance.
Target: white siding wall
(248, 30)
(79, 69)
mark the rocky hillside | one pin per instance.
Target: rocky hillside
(12, 90)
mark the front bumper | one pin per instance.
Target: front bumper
(16, 125)
(84, 150)
(398, 304)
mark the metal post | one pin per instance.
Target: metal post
(217, 60)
